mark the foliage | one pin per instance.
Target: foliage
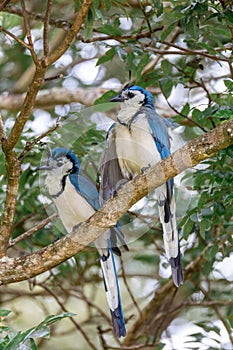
(13, 340)
(182, 52)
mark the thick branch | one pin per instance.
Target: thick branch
(203, 147)
(55, 96)
(27, 107)
(12, 163)
(13, 173)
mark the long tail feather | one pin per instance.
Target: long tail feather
(167, 214)
(177, 271)
(113, 292)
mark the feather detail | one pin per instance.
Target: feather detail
(76, 200)
(113, 292)
(167, 214)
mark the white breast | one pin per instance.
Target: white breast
(72, 207)
(136, 147)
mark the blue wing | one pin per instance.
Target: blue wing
(86, 188)
(167, 207)
(159, 128)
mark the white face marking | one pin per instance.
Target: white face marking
(61, 167)
(134, 97)
(130, 106)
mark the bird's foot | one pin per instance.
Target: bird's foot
(119, 185)
(76, 227)
(143, 170)
(57, 238)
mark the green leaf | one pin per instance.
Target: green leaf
(229, 16)
(54, 318)
(208, 47)
(166, 67)
(187, 229)
(105, 97)
(122, 54)
(110, 30)
(4, 313)
(211, 252)
(229, 84)
(207, 268)
(168, 31)
(204, 226)
(107, 57)
(158, 6)
(15, 341)
(196, 113)
(186, 109)
(106, 4)
(39, 331)
(166, 85)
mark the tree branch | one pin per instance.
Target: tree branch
(46, 27)
(70, 35)
(203, 147)
(32, 230)
(28, 33)
(163, 308)
(13, 165)
(21, 42)
(49, 98)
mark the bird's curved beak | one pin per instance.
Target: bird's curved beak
(118, 98)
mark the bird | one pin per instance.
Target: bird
(137, 140)
(76, 199)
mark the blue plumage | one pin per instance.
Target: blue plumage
(76, 199)
(137, 140)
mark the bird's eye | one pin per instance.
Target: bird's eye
(59, 163)
(131, 94)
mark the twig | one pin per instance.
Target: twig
(150, 66)
(77, 325)
(31, 144)
(38, 17)
(196, 52)
(58, 76)
(90, 303)
(218, 313)
(181, 114)
(210, 303)
(70, 35)
(28, 33)
(145, 16)
(133, 347)
(3, 4)
(122, 38)
(128, 288)
(46, 27)
(21, 42)
(210, 100)
(102, 340)
(32, 230)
